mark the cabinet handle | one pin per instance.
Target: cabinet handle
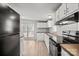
(67, 10)
(64, 11)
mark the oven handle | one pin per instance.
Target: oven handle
(53, 42)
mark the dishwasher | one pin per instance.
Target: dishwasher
(54, 48)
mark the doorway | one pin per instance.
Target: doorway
(29, 29)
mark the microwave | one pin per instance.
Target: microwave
(69, 19)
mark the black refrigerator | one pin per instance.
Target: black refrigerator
(9, 32)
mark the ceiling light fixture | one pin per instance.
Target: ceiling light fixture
(50, 17)
(65, 22)
(12, 17)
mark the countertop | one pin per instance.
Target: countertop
(57, 35)
(53, 34)
(72, 49)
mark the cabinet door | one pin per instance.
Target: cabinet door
(40, 36)
(57, 15)
(62, 11)
(46, 41)
(64, 53)
(42, 25)
(71, 7)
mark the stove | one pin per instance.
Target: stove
(71, 37)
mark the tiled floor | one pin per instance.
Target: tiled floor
(33, 48)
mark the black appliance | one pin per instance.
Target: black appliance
(54, 48)
(71, 37)
(9, 32)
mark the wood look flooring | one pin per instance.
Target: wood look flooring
(33, 48)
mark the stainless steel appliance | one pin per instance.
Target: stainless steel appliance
(54, 48)
(9, 32)
(71, 36)
(74, 18)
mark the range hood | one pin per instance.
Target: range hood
(69, 20)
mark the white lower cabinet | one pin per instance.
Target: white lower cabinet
(40, 36)
(42, 25)
(64, 53)
(46, 39)
(43, 37)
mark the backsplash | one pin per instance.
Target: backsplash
(42, 30)
(72, 27)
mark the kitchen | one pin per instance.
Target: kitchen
(51, 31)
(48, 29)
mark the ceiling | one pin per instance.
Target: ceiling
(35, 11)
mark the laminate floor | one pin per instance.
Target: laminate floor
(33, 48)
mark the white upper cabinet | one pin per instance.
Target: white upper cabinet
(57, 15)
(72, 7)
(42, 25)
(66, 9)
(62, 11)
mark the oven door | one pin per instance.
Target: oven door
(53, 49)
